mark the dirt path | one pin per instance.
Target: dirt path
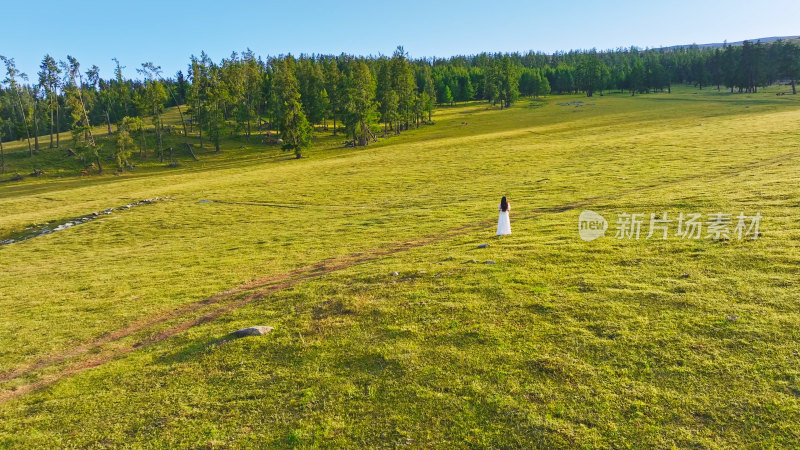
(95, 352)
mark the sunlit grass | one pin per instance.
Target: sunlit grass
(560, 343)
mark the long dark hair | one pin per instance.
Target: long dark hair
(504, 204)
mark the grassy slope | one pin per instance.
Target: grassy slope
(560, 343)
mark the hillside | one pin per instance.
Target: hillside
(764, 40)
(392, 327)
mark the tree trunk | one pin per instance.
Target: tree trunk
(99, 164)
(334, 123)
(143, 148)
(51, 123)
(25, 122)
(2, 157)
(183, 122)
(108, 123)
(35, 127)
(88, 124)
(58, 135)
(794, 88)
(189, 147)
(160, 141)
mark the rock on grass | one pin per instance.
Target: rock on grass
(259, 330)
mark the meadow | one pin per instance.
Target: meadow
(391, 326)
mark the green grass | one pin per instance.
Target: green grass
(560, 343)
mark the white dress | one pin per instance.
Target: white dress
(503, 222)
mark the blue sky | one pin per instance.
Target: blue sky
(168, 32)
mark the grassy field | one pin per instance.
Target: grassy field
(113, 331)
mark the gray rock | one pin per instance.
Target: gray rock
(394, 274)
(483, 245)
(204, 201)
(252, 331)
(490, 262)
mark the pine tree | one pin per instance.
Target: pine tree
(469, 91)
(295, 130)
(82, 137)
(333, 82)
(214, 119)
(313, 94)
(509, 82)
(358, 102)
(48, 80)
(124, 142)
(427, 87)
(384, 94)
(591, 73)
(636, 77)
(403, 84)
(447, 96)
(11, 80)
(154, 98)
(542, 85)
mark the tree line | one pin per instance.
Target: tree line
(743, 68)
(243, 94)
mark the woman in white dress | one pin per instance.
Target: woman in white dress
(504, 223)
